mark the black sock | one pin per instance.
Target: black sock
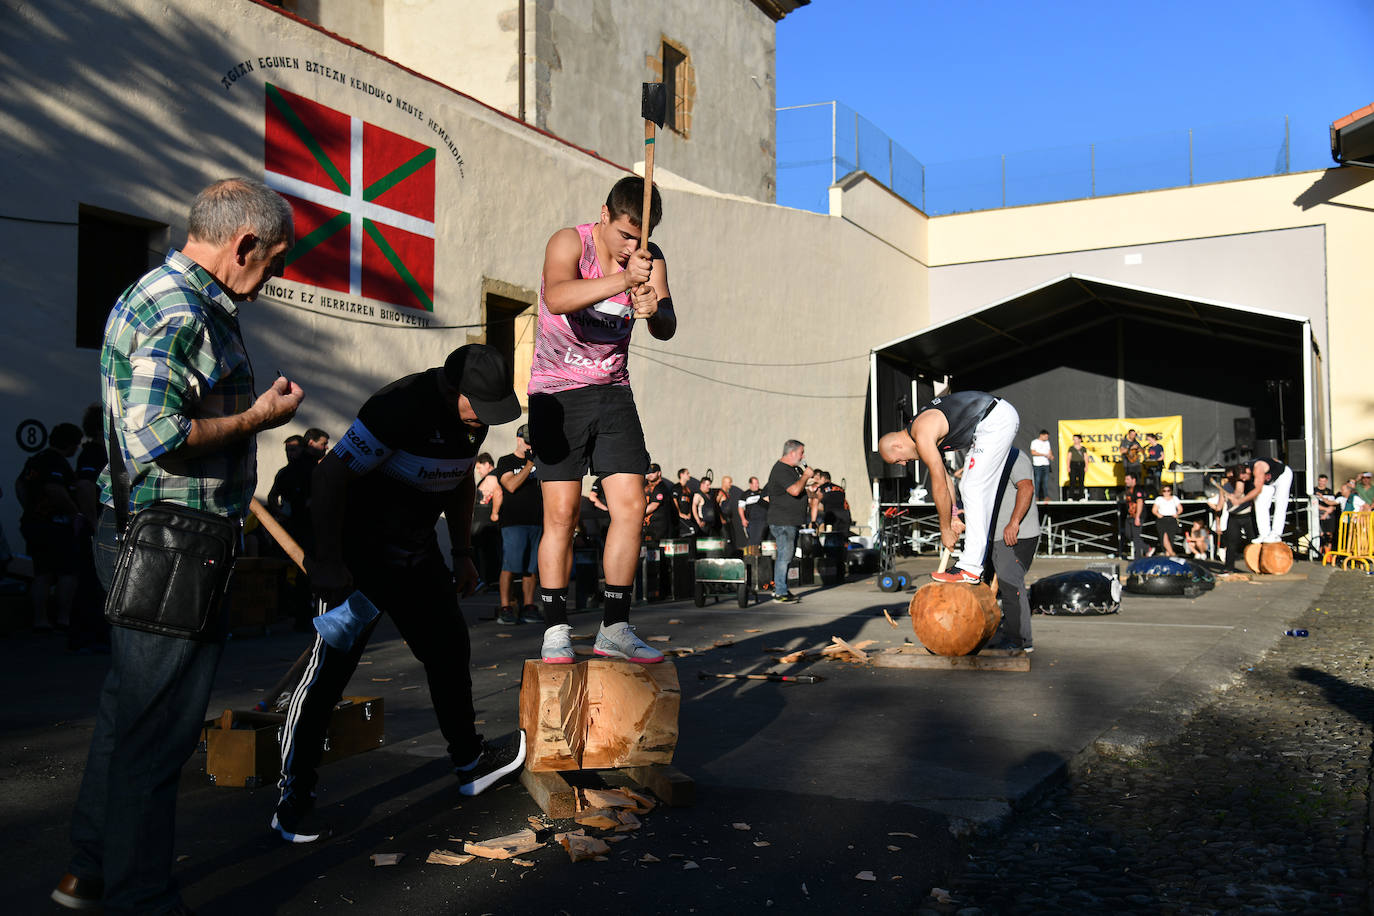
(617, 609)
(554, 604)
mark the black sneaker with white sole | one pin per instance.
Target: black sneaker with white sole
(295, 823)
(496, 760)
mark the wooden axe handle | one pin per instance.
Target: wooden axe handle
(274, 528)
(944, 559)
(649, 129)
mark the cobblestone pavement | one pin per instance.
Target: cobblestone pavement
(1260, 805)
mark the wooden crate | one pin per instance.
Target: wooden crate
(255, 593)
(243, 747)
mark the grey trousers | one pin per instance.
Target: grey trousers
(1011, 565)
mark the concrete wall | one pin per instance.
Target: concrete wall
(584, 63)
(1293, 243)
(138, 126)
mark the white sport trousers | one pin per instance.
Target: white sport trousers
(1271, 507)
(992, 439)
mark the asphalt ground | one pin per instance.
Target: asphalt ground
(879, 773)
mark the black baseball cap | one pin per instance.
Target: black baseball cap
(481, 375)
(523, 432)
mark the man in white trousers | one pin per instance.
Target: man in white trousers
(1273, 482)
(984, 425)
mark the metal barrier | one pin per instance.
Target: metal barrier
(1354, 542)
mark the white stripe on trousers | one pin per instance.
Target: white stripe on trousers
(992, 439)
(293, 709)
(1273, 496)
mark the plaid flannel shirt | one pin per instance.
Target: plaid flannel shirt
(173, 353)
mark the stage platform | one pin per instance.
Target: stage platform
(1089, 527)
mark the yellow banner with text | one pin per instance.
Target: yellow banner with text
(1109, 448)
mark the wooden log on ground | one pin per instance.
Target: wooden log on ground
(598, 714)
(1252, 557)
(954, 619)
(1275, 559)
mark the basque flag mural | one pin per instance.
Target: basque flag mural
(363, 199)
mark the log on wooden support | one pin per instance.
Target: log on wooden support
(631, 714)
(598, 714)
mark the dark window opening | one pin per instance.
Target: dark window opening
(112, 252)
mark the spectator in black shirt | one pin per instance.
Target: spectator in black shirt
(834, 506)
(754, 512)
(522, 524)
(659, 509)
(49, 523)
(787, 511)
(706, 510)
(732, 522)
(683, 491)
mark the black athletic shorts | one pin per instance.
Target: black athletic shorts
(594, 428)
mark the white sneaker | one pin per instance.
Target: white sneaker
(558, 648)
(619, 641)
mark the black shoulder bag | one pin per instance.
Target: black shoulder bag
(173, 565)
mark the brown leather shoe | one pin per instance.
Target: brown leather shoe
(79, 893)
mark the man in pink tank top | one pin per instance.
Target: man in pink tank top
(597, 283)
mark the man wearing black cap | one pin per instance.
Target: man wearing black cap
(376, 499)
(522, 520)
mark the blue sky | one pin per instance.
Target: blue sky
(951, 80)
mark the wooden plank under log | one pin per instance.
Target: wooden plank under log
(918, 657)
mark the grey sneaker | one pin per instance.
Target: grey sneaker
(558, 645)
(619, 641)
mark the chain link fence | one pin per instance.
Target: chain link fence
(821, 143)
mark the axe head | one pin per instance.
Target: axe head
(654, 103)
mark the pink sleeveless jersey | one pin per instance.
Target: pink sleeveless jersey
(586, 347)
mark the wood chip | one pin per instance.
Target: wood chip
(523, 863)
(615, 838)
(739, 825)
(609, 798)
(890, 847)
(487, 667)
(387, 858)
(854, 650)
(675, 620)
(628, 822)
(866, 876)
(688, 866)
(412, 687)
(755, 630)
(643, 803)
(503, 635)
(604, 818)
(660, 639)
(447, 857)
(762, 843)
(381, 680)
(581, 847)
(902, 833)
(722, 643)
(889, 619)
(793, 657)
(504, 847)
(648, 857)
(535, 823)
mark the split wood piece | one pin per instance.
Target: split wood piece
(855, 651)
(631, 714)
(672, 786)
(890, 620)
(504, 847)
(545, 715)
(609, 798)
(582, 847)
(628, 822)
(601, 818)
(447, 857)
(954, 619)
(917, 657)
(559, 799)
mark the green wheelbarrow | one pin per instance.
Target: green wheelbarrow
(718, 576)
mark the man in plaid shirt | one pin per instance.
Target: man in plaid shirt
(180, 389)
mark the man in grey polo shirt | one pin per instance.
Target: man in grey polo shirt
(1015, 535)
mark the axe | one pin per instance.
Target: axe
(788, 678)
(654, 110)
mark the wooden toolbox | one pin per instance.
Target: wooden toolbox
(243, 747)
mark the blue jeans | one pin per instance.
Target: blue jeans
(520, 548)
(152, 707)
(786, 536)
(1041, 474)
